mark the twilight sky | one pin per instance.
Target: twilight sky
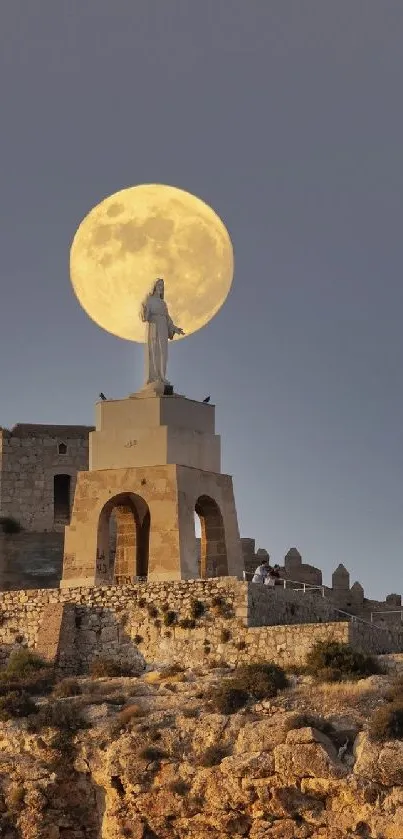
(287, 118)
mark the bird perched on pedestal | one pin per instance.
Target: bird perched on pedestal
(206, 400)
(102, 396)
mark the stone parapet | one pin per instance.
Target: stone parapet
(188, 622)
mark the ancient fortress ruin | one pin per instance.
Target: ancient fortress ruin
(98, 553)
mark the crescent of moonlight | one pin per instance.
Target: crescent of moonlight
(145, 232)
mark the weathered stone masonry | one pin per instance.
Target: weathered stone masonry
(125, 621)
(38, 471)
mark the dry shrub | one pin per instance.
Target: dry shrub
(172, 670)
(24, 662)
(115, 698)
(332, 661)
(132, 712)
(307, 720)
(16, 704)
(187, 623)
(66, 688)
(170, 618)
(16, 799)
(225, 636)
(395, 692)
(108, 667)
(190, 713)
(386, 722)
(212, 756)
(346, 692)
(26, 673)
(197, 609)
(60, 716)
(37, 683)
(261, 679)
(179, 787)
(221, 608)
(218, 663)
(227, 699)
(9, 525)
(151, 753)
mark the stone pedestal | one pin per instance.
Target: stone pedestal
(154, 462)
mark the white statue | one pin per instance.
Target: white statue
(160, 329)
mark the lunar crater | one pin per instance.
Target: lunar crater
(139, 234)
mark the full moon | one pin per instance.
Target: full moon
(145, 232)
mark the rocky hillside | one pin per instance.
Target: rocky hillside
(151, 757)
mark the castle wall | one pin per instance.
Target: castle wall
(29, 462)
(30, 560)
(121, 622)
(271, 606)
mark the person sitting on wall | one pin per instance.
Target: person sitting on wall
(273, 576)
(262, 572)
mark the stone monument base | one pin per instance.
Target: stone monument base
(153, 508)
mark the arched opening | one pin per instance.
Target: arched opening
(61, 499)
(123, 539)
(212, 559)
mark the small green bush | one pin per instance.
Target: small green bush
(67, 687)
(27, 673)
(9, 525)
(169, 618)
(138, 639)
(387, 722)
(227, 698)
(333, 661)
(260, 680)
(24, 662)
(152, 611)
(187, 623)
(16, 704)
(108, 667)
(197, 609)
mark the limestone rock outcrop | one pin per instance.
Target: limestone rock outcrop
(156, 762)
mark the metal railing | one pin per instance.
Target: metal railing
(308, 587)
(284, 580)
(387, 612)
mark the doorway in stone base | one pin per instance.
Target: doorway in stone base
(123, 539)
(212, 549)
